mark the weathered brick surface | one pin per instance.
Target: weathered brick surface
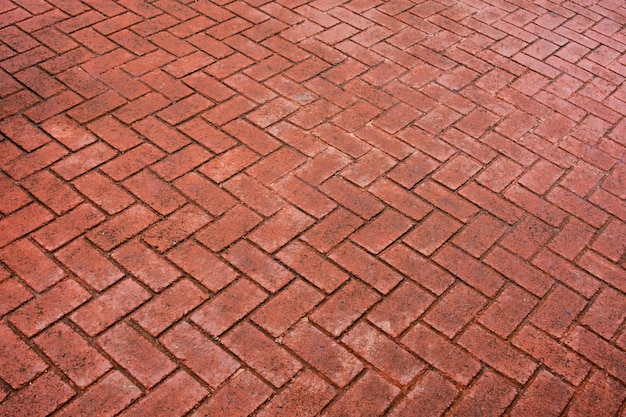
(312, 207)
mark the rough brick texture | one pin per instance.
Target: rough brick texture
(312, 208)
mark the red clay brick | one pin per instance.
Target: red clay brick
(203, 192)
(275, 165)
(608, 242)
(121, 227)
(603, 269)
(13, 295)
(578, 207)
(145, 265)
(20, 364)
(23, 133)
(252, 137)
(567, 273)
(37, 80)
(497, 354)
(527, 236)
(161, 134)
(212, 364)
(202, 265)
(176, 228)
(382, 231)
(341, 140)
(304, 196)
(175, 397)
(396, 118)
(553, 355)
(228, 307)
(519, 271)
(383, 353)
(384, 141)
(417, 268)
(68, 226)
(499, 174)
(413, 169)
(601, 394)
(431, 396)
(262, 354)
(227, 164)
(312, 266)
(606, 313)
(132, 161)
(541, 177)
(346, 305)
(114, 133)
(432, 233)
(83, 160)
(14, 197)
(27, 164)
(155, 192)
(184, 109)
(558, 310)
(68, 132)
(490, 395)
(200, 82)
(597, 350)
(255, 194)
(258, 266)
(446, 200)
(332, 230)
(507, 311)
(227, 229)
(280, 228)
(229, 110)
(305, 396)
(572, 239)
(181, 162)
(22, 222)
(111, 305)
(73, 354)
(239, 397)
(282, 311)
(366, 267)
(141, 107)
(102, 191)
(455, 309)
(136, 354)
(400, 199)
(469, 270)
(291, 90)
(546, 395)
(169, 306)
(31, 265)
(49, 307)
(372, 386)
(50, 392)
(89, 265)
(107, 397)
(323, 353)
(322, 166)
(358, 200)
(403, 306)
(477, 237)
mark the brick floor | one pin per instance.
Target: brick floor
(312, 207)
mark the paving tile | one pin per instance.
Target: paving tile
(312, 207)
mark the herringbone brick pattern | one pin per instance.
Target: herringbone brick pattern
(312, 207)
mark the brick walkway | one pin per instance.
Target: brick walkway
(299, 208)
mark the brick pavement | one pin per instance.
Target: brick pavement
(300, 208)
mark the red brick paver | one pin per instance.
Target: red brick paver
(312, 208)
